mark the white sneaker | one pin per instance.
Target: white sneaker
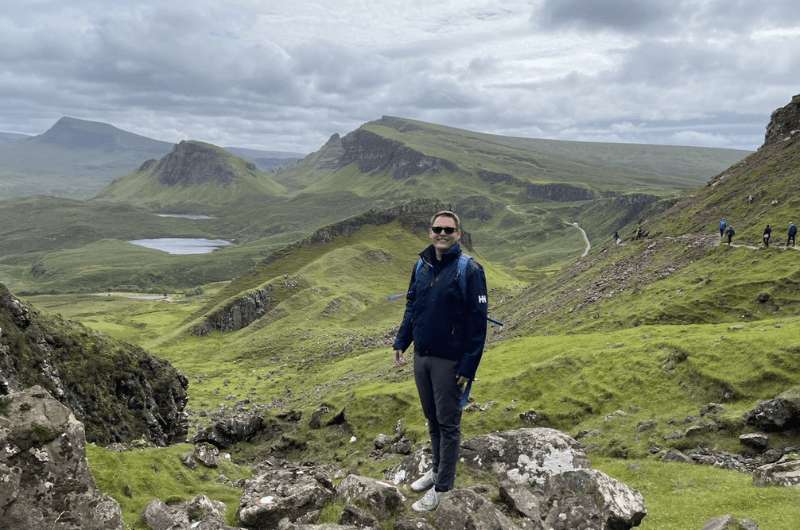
(428, 502)
(424, 482)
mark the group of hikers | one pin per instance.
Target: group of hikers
(726, 230)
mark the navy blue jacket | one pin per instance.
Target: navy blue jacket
(438, 318)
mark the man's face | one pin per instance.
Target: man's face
(443, 241)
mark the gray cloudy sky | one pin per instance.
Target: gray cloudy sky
(285, 75)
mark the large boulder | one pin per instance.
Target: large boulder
(44, 477)
(778, 414)
(464, 508)
(523, 456)
(225, 432)
(201, 513)
(589, 499)
(784, 472)
(281, 490)
(379, 498)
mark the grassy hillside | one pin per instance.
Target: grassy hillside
(620, 167)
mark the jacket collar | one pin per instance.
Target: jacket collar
(429, 255)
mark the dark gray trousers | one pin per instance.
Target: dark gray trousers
(439, 394)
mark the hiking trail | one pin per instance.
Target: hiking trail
(585, 238)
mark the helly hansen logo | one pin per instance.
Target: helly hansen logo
(481, 299)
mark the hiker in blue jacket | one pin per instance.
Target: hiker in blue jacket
(445, 317)
(792, 234)
(723, 224)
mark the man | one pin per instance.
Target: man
(792, 234)
(730, 232)
(723, 224)
(767, 236)
(445, 317)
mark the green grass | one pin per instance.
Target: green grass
(136, 477)
(680, 496)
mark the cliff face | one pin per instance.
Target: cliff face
(191, 163)
(374, 153)
(784, 122)
(117, 390)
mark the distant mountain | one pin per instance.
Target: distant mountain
(267, 160)
(7, 137)
(412, 154)
(73, 158)
(77, 158)
(194, 176)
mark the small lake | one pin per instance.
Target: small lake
(182, 245)
(185, 216)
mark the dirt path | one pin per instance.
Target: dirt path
(723, 243)
(585, 239)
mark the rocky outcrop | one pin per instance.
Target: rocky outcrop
(330, 154)
(544, 479)
(192, 163)
(558, 192)
(784, 124)
(784, 472)
(778, 414)
(380, 499)
(201, 513)
(374, 153)
(281, 490)
(225, 432)
(44, 477)
(493, 177)
(246, 309)
(119, 391)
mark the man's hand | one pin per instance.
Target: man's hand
(399, 358)
(461, 381)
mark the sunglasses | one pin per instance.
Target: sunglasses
(446, 229)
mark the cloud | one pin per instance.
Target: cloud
(286, 76)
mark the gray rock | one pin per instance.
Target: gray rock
(525, 455)
(413, 523)
(673, 455)
(461, 508)
(353, 515)
(189, 461)
(778, 414)
(646, 425)
(589, 499)
(784, 472)
(729, 522)
(532, 418)
(201, 513)
(284, 490)
(382, 440)
(44, 475)
(756, 440)
(380, 498)
(227, 431)
(159, 516)
(206, 454)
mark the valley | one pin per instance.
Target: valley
(651, 353)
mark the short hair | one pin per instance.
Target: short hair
(447, 213)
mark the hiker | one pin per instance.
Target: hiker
(445, 316)
(792, 234)
(616, 237)
(730, 232)
(723, 224)
(767, 235)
